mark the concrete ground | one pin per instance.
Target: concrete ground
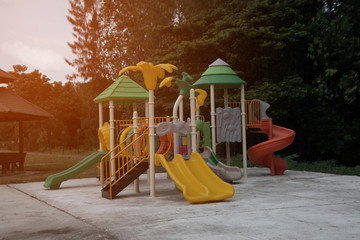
(297, 205)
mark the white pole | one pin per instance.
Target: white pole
(112, 136)
(152, 143)
(101, 123)
(197, 116)
(101, 120)
(192, 120)
(147, 121)
(226, 104)
(243, 126)
(213, 115)
(175, 118)
(135, 121)
(181, 110)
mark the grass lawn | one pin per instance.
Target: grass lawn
(329, 166)
(40, 165)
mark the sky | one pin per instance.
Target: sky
(35, 33)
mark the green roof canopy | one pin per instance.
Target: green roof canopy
(220, 75)
(124, 89)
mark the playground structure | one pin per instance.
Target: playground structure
(128, 147)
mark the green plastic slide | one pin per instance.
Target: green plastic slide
(54, 181)
(212, 159)
(226, 173)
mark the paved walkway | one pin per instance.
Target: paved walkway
(297, 205)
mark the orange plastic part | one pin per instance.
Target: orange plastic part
(164, 143)
(263, 153)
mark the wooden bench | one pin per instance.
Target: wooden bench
(11, 161)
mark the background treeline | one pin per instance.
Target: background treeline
(301, 56)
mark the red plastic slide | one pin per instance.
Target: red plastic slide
(263, 153)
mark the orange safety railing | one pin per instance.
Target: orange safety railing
(252, 112)
(121, 125)
(119, 161)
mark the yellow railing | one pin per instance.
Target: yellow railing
(252, 112)
(121, 125)
(119, 161)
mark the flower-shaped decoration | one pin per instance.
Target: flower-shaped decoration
(150, 72)
(185, 85)
(200, 98)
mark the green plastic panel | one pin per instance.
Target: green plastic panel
(124, 89)
(215, 70)
(219, 81)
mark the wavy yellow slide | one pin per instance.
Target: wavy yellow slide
(195, 179)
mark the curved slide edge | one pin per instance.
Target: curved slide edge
(54, 181)
(195, 179)
(223, 171)
(263, 153)
(218, 189)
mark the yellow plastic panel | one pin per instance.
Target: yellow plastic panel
(104, 136)
(218, 189)
(195, 179)
(192, 189)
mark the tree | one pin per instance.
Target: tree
(59, 100)
(301, 56)
(87, 46)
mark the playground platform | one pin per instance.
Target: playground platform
(297, 205)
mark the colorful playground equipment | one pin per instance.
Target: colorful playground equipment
(223, 171)
(54, 181)
(129, 148)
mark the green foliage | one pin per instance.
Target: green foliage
(302, 57)
(62, 101)
(324, 166)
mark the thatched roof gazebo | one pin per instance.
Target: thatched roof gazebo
(14, 108)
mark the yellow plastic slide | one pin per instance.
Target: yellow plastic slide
(195, 179)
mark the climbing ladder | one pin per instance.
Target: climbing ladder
(122, 165)
(129, 159)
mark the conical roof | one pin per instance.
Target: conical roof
(220, 75)
(124, 89)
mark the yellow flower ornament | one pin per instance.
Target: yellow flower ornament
(150, 72)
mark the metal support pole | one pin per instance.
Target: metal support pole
(147, 121)
(213, 119)
(136, 159)
(101, 121)
(181, 110)
(152, 143)
(192, 120)
(112, 137)
(197, 116)
(175, 120)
